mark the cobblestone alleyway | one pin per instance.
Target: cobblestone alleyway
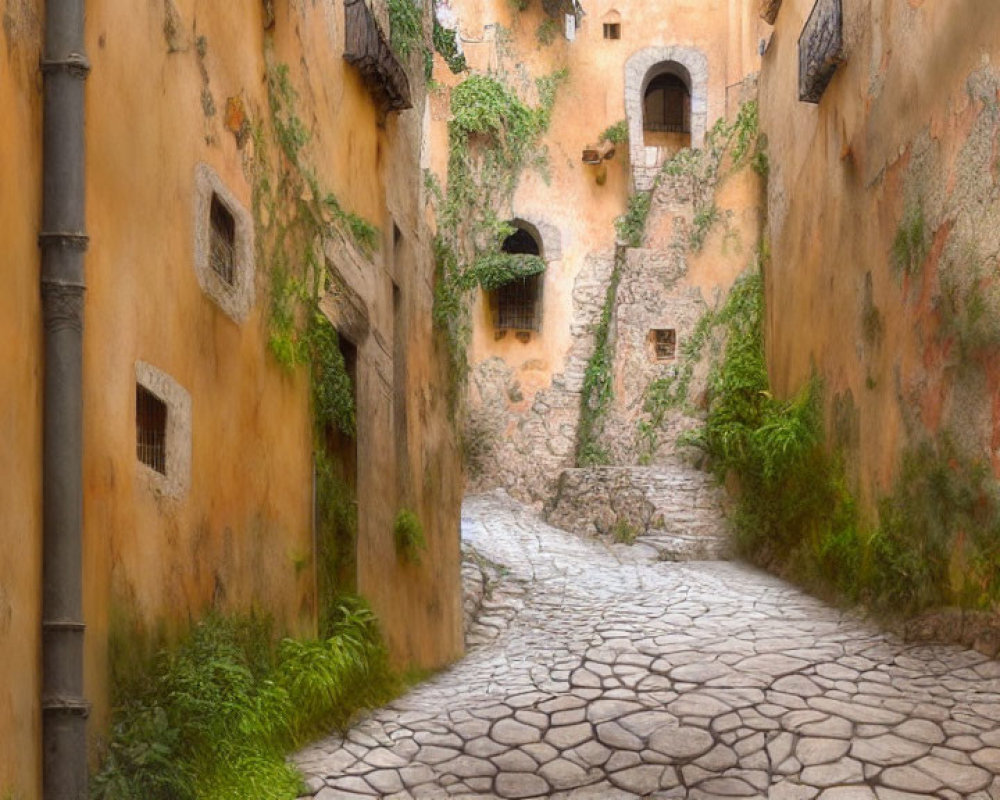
(605, 673)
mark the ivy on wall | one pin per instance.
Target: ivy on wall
(493, 136)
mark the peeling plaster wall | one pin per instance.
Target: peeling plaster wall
(909, 128)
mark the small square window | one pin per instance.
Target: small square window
(223, 245)
(223, 255)
(664, 342)
(151, 429)
(612, 30)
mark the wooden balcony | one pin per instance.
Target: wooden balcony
(366, 47)
(821, 49)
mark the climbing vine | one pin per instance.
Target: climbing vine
(616, 133)
(493, 136)
(598, 391)
(728, 148)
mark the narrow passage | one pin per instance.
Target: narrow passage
(604, 673)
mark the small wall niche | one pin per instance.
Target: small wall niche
(662, 344)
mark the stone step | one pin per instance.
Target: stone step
(675, 509)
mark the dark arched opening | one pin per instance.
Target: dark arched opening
(666, 107)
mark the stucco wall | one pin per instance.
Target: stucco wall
(533, 386)
(20, 410)
(237, 532)
(907, 130)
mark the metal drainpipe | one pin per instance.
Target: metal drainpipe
(63, 240)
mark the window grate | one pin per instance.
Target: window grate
(223, 247)
(151, 429)
(517, 305)
(664, 343)
(612, 30)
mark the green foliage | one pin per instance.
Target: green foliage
(631, 226)
(936, 539)
(292, 214)
(336, 540)
(214, 716)
(703, 221)
(967, 307)
(728, 148)
(624, 532)
(545, 33)
(665, 394)
(333, 393)
(408, 534)
(909, 248)
(598, 389)
(446, 43)
(616, 134)
(492, 136)
(405, 27)
(365, 234)
(493, 270)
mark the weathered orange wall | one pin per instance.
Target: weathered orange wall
(241, 536)
(908, 120)
(20, 399)
(592, 99)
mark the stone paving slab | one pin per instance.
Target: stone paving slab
(606, 673)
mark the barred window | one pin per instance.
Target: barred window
(223, 244)
(518, 303)
(151, 429)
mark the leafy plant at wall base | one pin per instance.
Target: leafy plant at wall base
(624, 532)
(936, 538)
(336, 539)
(213, 716)
(408, 534)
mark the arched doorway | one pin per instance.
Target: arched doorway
(666, 104)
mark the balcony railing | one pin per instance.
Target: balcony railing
(365, 47)
(821, 49)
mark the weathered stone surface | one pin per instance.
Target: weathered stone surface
(712, 672)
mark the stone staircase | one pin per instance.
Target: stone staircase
(673, 508)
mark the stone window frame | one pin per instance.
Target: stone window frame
(639, 69)
(236, 298)
(176, 480)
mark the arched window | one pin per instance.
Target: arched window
(518, 303)
(667, 105)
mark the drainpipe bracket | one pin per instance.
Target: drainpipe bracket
(65, 705)
(76, 65)
(71, 240)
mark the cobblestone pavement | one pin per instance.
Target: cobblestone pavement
(603, 673)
